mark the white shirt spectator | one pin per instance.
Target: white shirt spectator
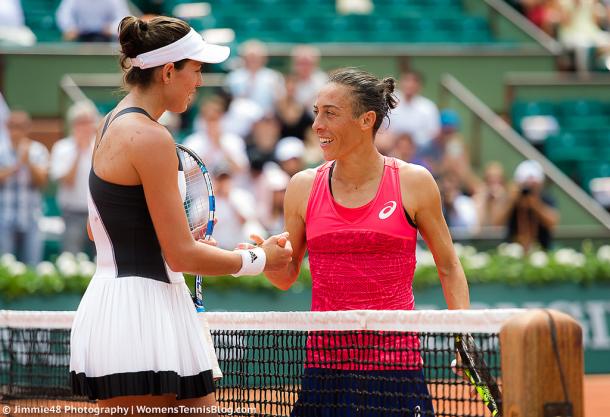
(263, 87)
(464, 216)
(418, 117)
(63, 155)
(240, 117)
(11, 13)
(581, 28)
(307, 90)
(236, 215)
(90, 16)
(229, 230)
(231, 146)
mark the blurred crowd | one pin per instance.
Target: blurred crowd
(254, 134)
(582, 26)
(78, 20)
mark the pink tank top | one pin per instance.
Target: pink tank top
(361, 259)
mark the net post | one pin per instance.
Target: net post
(537, 347)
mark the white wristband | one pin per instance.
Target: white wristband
(252, 262)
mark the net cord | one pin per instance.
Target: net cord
(457, 321)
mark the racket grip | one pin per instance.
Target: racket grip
(198, 294)
(484, 394)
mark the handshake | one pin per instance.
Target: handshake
(277, 250)
(271, 254)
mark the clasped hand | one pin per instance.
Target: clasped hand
(278, 250)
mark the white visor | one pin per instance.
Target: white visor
(192, 46)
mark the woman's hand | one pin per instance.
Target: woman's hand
(199, 234)
(258, 241)
(278, 250)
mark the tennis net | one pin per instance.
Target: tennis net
(353, 363)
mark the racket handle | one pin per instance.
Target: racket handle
(484, 394)
(199, 294)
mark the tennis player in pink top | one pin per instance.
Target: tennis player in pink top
(358, 216)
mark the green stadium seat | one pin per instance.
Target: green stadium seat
(105, 107)
(479, 36)
(585, 122)
(580, 108)
(40, 18)
(593, 169)
(603, 138)
(568, 147)
(521, 109)
(50, 208)
(47, 35)
(534, 108)
(426, 21)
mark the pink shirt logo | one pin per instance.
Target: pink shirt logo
(387, 210)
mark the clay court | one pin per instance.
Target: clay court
(596, 390)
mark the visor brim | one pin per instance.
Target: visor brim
(211, 54)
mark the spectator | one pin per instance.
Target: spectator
(4, 115)
(309, 77)
(12, 25)
(260, 185)
(11, 14)
(459, 209)
(447, 154)
(546, 14)
(491, 196)
(415, 114)
(254, 80)
(289, 154)
(579, 26)
(579, 30)
(263, 139)
(235, 209)
(385, 141)
(90, 20)
(70, 166)
(23, 173)
(294, 118)
(405, 149)
(313, 155)
(241, 115)
(214, 144)
(277, 182)
(530, 214)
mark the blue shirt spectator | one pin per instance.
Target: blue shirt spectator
(23, 172)
(11, 13)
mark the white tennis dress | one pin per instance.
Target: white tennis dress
(136, 331)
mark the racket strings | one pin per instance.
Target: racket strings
(196, 202)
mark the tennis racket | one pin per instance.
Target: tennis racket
(199, 204)
(477, 372)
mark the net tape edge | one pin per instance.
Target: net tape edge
(458, 321)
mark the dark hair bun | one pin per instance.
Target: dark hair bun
(389, 84)
(142, 25)
(129, 36)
